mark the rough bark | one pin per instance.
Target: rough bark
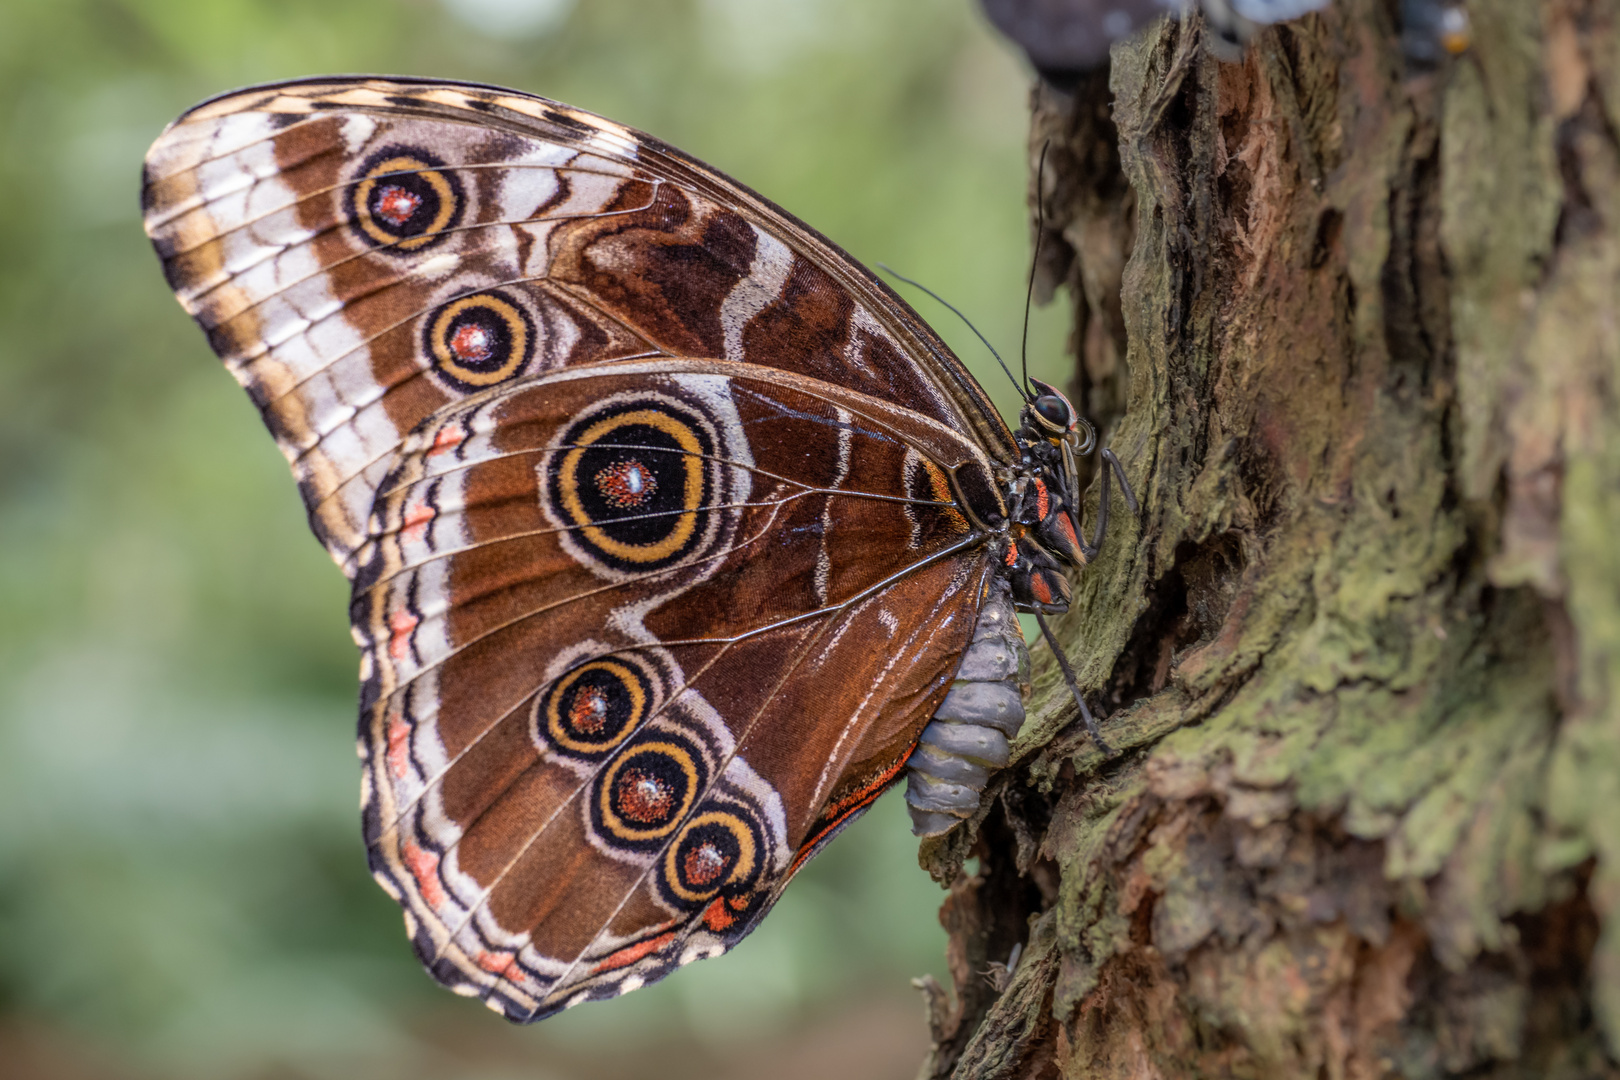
(1352, 327)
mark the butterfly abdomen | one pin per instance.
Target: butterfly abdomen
(971, 732)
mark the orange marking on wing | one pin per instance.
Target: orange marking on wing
(449, 437)
(399, 744)
(1043, 500)
(417, 516)
(401, 623)
(497, 963)
(424, 867)
(631, 953)
(836, 813)
(941, 485)
(717, 918)
(1012, 555)
(397, 205)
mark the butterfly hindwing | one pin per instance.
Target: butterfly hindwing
(607, 615)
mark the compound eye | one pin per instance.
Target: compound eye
(1055, 411)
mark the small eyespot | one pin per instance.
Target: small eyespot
(645, 791)
(403, 200)
(590, 710)
(479, 340)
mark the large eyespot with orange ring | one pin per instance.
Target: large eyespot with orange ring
(479, 340)
(404, 199)
(644, 793)
(633, 483)
(718, 850)
(594, 707)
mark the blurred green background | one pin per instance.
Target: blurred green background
(182, 886)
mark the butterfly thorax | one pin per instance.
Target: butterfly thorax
(1043, 500)
(971, 732)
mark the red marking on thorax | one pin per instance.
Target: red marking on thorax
(401, 624)
(396, 206)
(631, 953)
(1038, 586)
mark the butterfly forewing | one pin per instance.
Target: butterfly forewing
(364, 252)
(606, 615)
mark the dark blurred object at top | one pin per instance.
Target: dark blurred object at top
(1066, 38)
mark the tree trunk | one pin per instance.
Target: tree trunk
(1352, 327)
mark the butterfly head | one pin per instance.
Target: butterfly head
(1052, 415)
(1050, 411)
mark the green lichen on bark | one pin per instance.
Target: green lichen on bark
(1361, 650)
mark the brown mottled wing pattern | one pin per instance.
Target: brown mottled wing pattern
(639, 632)
(630, 653)
(364, 252)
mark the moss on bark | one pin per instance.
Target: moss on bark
(1353, 329)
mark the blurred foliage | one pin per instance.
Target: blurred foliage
(181, 878)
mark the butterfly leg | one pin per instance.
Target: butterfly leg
(1111, 468)
(1074, 688)
(1090, 550)
(1124, 485)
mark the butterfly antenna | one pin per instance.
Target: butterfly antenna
(919, 285)
(1035, 261)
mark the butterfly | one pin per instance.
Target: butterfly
(675, 537)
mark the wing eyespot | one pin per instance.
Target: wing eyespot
(634, 483)
(404, 200)
(480, 340)
(717, 852)
(593, 708)
(645, 791)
